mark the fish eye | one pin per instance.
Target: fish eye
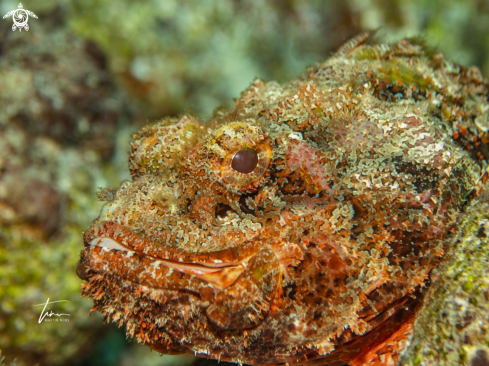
(240, 155)
(246, 166)
(245, 161)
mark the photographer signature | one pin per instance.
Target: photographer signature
(49, 313)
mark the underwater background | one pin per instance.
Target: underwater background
(90, 73)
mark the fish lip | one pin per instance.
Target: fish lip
(111, 244)
(220, 277)
(206, 266)
(126, 239)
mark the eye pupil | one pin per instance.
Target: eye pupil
(245, 161)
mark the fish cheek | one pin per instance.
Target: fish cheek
(246, 302)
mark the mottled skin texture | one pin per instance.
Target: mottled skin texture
(321, 253)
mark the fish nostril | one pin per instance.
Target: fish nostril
(222, 210)
(225, 215)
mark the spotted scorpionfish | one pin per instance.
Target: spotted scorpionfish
(301, 227)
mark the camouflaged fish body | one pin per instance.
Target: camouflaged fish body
(301, 226)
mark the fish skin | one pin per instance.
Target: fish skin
(322, 253)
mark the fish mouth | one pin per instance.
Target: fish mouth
(111, 247)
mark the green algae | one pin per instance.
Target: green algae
(452, 327)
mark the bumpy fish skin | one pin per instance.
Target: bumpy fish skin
(320, 254)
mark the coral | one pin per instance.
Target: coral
(324, 250)
(177, 55)
(58, 116)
